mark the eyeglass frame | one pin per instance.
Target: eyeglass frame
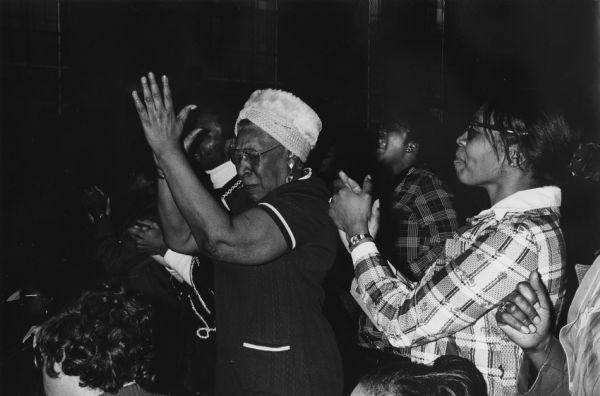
(478, 124)
(253, 156)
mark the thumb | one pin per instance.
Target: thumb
(183, 114)
(375, 209)
(189, 139)
(351, 184)
(367, 185)
(538, 286)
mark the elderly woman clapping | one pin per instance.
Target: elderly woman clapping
(271, 257)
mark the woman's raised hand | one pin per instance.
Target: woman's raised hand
(161, 127)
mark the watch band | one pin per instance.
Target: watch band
(357, 239)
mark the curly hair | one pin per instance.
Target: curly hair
(448, 376)
(105, 339)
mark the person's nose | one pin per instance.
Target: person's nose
(243, 166)
(462, 139)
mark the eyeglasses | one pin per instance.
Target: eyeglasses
(472, 132)
(251, 155)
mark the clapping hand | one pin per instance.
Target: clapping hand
(344, 212)
(161, 126)
(147, 236)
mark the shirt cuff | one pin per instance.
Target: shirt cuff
(220, 175)
(363, 250)
(181, 264)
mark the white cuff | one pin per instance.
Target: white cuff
(220, 175)
(362, 250)
(180, 263)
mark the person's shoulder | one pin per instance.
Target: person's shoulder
(426, 180)
(309, 185)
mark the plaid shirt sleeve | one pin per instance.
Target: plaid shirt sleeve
(453, 294)
(436, 218)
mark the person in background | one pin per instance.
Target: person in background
(517, 152)
(415, 211)
(103, 345)
(131, 252)
(272, 337)
(447, 376)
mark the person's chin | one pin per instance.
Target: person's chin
(255, 192)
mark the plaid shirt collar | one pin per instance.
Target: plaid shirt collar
(521, 201)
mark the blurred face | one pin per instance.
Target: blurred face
(476, 161)
(209, 151)
(390, 145)
(263, 173)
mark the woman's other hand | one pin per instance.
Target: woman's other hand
(525, 315)
(351, 207)
(147, 236)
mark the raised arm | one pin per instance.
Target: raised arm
(176, 231)
(250, 238)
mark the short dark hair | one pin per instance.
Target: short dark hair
(449, 375)
(543, 137)
(104, 338)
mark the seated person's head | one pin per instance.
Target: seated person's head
(99, 344)
(448, 376)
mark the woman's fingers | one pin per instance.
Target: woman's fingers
(540, 290)
(367, 187)
(156, 97)
(183, 114)
(348, 182)
(510, 314)
(150, 108)
(527, 300)
(139, 106)
(167, 94)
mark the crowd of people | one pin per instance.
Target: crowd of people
(221, 262)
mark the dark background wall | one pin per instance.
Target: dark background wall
(68, 69)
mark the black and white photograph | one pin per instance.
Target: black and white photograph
(300, 197)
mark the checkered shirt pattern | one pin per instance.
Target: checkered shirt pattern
(451, 309)
(423, 216)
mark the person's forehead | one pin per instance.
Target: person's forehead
(253, 135)
(207, 121)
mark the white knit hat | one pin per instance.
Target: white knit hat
(285, 117)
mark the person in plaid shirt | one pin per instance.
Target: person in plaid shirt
(517, 153)
(416, 209)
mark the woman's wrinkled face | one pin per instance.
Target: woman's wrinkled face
(477, 162)
(264, 172)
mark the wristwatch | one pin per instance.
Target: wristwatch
(357, 239)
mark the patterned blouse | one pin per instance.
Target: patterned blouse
(451, 309)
